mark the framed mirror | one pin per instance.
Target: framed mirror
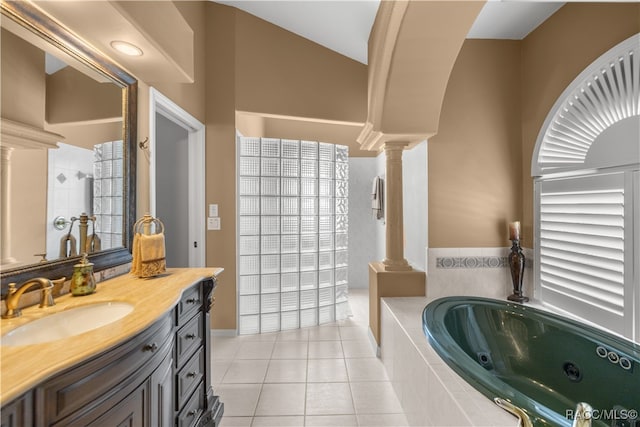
(41, 170)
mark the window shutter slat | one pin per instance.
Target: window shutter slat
(581, 235)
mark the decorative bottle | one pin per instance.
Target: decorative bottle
(82, 281)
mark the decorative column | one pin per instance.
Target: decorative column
(5, 244)
(394, 255)
(16, 136)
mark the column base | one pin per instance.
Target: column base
(7, 262)
(395, 265)
(386, 283)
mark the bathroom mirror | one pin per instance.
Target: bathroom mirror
(90, 113)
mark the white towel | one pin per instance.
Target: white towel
(377, 194)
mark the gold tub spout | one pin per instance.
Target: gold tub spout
(13, 297)
(525, 421)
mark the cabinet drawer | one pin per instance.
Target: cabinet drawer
(190, 302)
(98, 379)
(126, 408)
(188, 338)
(189, 377)
(193, 409)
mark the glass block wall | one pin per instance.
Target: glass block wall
(292, 226)
(108, 191)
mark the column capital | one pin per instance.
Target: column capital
(395, 145)
(5, 152)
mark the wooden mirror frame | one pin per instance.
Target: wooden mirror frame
(35, 20)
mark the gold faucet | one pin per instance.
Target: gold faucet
(525, 421)
(583, 415)
(13, 297)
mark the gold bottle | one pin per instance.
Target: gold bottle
(82, 281)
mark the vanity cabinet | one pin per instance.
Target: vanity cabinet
(18, 413)
(159, 377)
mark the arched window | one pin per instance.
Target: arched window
(586, 169)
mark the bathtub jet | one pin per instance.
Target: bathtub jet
(541, 367)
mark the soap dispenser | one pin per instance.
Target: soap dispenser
(82, 281)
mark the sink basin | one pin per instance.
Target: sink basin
(67, 323)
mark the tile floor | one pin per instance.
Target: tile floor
(321, 376)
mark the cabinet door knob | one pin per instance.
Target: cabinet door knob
(192, 374)
(190, 336)
(150, 347)
(191, 414)
(193, 301)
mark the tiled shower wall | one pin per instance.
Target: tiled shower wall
(362, 221)
(69, 191)
(292, 226)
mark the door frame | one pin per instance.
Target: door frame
(160, 104)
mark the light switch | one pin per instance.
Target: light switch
(213, 223)
(213, 210)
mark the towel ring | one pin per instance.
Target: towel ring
(143, 225)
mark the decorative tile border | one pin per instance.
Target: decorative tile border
(472, 262)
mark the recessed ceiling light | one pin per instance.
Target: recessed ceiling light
(126, 48)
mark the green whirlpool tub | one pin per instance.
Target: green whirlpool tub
(540, 363)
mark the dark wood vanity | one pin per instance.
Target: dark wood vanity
(160, 376)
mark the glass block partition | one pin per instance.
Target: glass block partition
(108, 192)
(292, 226)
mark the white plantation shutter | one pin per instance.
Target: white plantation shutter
(605, 93)
(582, 248)
(587, 226)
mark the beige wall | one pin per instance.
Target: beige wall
(28, 204)
(474, 160)
(552, 56)
(23, 82)
(281, 73)
(86, 135)
(221, 164)
(497, 99)
(74, 97)
(189, 96)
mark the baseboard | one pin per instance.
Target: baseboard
(224, 332)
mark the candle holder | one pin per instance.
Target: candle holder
(516, 265)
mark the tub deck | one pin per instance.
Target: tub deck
(430, 392)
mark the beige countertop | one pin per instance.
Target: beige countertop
(24, 367)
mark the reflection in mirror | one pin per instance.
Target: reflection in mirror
(68, 161)
(83, 174)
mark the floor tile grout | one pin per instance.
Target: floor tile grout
(323, 350)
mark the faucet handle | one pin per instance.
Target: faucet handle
(12, 307)
(47, 296)
(12, 288)
(57, 286)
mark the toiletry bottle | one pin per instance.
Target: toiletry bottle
(82, 281)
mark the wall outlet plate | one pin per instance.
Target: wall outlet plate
(213, 223)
